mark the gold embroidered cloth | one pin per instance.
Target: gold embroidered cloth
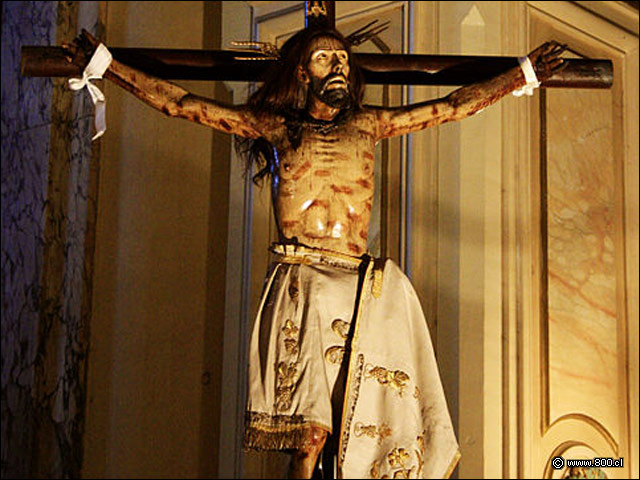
(395, 421)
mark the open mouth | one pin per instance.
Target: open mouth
(336, 82)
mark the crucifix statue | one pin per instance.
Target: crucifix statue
(342, 371)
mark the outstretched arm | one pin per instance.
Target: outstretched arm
(467, 100)
(168, 97)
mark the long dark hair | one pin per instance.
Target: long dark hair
(282, 94)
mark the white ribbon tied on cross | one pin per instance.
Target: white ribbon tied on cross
(98, 64)
(529, 76)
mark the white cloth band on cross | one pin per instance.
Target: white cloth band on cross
(98, 64)
(529, 76)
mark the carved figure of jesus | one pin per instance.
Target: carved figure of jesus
(308, 131)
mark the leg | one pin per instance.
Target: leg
(303, 461)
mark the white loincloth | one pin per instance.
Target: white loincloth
(395, 420)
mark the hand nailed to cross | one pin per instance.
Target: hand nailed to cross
(546, 60)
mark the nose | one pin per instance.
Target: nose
(336, 65)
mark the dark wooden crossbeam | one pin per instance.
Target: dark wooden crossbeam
(393, 69)
(390, 69)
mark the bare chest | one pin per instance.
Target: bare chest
(323, 189)
(341, 159)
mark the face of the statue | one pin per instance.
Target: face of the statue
(328, 72)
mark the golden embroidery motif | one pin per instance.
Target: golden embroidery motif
(403, 473)
(375, 471)
(291, 333)
(397, 459)
(289, 329)
(283, 398)
(286, 373)
(372, 431)
(291, 346)
(417, 394)
(334, 354)
(340, 327)
(395, 379)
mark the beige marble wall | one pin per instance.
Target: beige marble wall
(582, 225)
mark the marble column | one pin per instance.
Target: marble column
(49, 171)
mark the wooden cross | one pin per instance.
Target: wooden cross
(391, 69)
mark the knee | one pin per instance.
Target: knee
(316, 440)
(317, 437)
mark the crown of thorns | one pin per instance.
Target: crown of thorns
(269, 51)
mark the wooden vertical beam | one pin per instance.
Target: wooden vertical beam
(320, 14)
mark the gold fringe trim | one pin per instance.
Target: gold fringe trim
(453, 464)
(278, 432)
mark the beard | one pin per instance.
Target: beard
(335, 97)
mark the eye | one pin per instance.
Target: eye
(343, 57)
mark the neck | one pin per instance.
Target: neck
(321, 111)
